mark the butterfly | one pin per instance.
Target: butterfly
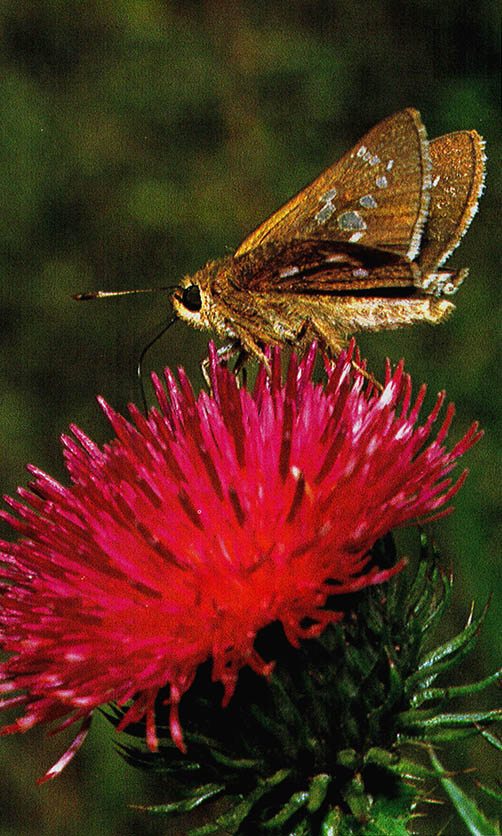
(360, 248)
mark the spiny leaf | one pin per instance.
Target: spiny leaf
(445, 656)
(456, 690)
(467, 809)
(198, 797)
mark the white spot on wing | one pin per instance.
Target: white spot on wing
(356, 237)
(362, 151)
(382, 182)
(360, 273)
(390, 164)
(368, 201)
(328, 196)
(436, 180)
(324, 213)
(289, 271)
(351, 221)
(375, 159)
(327, 210)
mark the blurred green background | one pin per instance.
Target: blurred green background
(139, 139)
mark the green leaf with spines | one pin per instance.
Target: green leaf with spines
(235, 816)
(467, 809)
(445, 656)
(394, 695)
(430, 603)
(455, 691)
(439, 601)
(295, 802)
(388, 817)
(423, 721)
(356, 798)
(235, 763)
(439, 736)
(198, 797)
(490, 738)
(318, 791)
(393, 762)
(496, 795)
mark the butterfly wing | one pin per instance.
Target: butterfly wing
(458, 161)
(313, 266)
(377, 194)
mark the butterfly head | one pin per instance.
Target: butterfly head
(199, 298)
(191, 301)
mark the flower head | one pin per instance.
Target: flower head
(203, 523)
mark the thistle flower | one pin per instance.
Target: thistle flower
(196, 527)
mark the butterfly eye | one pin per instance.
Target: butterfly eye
(191, 298)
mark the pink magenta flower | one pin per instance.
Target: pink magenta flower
(196, 527)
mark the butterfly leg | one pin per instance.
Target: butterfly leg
(302, 333)
(225, 352)
(367, 375)
(333, 343)
(239, 366)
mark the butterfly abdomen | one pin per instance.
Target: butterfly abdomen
(443, 282)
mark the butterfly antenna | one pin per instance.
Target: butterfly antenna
(106, 294)
(141, 357)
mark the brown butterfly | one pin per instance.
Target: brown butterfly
(358, 249)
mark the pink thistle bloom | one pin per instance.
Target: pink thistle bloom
(197, 526)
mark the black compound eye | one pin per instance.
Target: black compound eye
(191, 298)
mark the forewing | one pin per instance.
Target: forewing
(377, 194)
(316, 266)
(458, 162)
